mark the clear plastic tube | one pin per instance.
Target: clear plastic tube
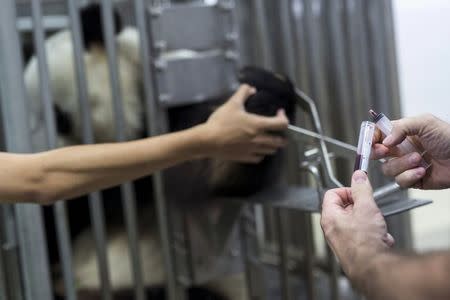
(405, 147)
(364, 146)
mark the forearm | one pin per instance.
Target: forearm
(73, 171)
(393, 276)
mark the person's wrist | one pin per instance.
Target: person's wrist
(356, 260)
(204, 141)
(366, 268)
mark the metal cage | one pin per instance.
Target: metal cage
(341, 52)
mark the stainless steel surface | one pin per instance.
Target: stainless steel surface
(35, 273)
(205, 31)
(209, 52)
(95, 205)
(178, 86)
(305, 199)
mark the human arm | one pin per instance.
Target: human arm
(395, 276)
(356, 231)
(230, 133)
(429, 133)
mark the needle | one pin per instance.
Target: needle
(327, 139)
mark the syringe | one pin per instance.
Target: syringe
(405, 147)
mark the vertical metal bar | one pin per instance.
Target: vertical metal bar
(375, 25)
(283, 255)
(95, 205)
(9, 249)
(244, 234)
(309, 257)
(153, 123)
(286, 17)
(3, 284)
(313, 26)
(338, 64)
(29, 225)
(267, 55)
(47, 101)
(357, 57)
(391, 53)
(127, 192)
(298, 11)
(334, 274)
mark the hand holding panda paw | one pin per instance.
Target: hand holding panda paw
(237, 135)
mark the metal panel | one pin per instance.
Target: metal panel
(179, 86)
(189, 27)
(33, 254)
(127, 191)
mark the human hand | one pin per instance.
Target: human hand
(241, 136)
(353, 224)
(430, 133)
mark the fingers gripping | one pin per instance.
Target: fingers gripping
(362, 193)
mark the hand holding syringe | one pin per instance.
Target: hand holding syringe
(407, 146)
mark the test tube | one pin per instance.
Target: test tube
(405, 147)
(364, 146)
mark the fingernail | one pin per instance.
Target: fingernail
(420, 172)
(281, 111)
(414, 158)
(388, 140)
(359, 176)
(252, 90)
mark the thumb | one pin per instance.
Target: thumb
(403, 128)
(362, 189)
(243, 93)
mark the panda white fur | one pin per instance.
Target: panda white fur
(59, 50)
(231, 287)
(63, 80)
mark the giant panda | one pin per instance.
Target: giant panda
(206, 179)
(59, 50)
(197, 183)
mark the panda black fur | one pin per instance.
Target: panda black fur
(209, 178)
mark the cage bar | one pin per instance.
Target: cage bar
(95, 201)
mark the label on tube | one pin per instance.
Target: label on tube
(364, 146)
